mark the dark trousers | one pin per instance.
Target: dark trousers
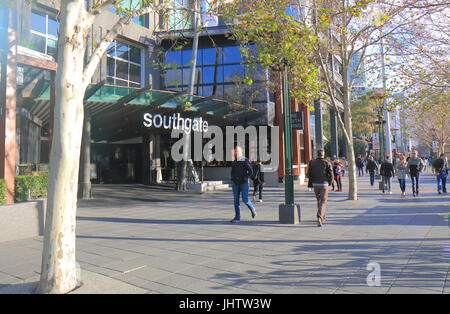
(361, 171)
(415, 182)
(402, 184)
(386, 183)
(338, 181)
(256, 188)
(322, 198)
(372, 178)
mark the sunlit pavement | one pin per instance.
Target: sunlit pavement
(160, 241)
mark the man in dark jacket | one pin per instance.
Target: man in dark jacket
(241, 171)
(371, 167)
(440, 167)
(387, 172)
(320, 176)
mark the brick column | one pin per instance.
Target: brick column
(306, 134)
(296, 159)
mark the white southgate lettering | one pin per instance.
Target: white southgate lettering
(175, 122)
(157, 116)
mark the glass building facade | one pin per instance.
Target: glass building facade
(220, 72)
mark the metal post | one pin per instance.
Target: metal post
(388, 146)
(288, 212)
(289, 178)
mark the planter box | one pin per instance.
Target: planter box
(22, 220)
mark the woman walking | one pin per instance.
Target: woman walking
(401, 168)
(337, 172)
(258, 180)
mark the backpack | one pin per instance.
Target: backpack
(337, 169)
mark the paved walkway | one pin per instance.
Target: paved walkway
(152, 240)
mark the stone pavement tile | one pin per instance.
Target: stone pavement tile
(232, 266)
(98, 269)
(158, 288)
(151, 273)
(167, 264)
(94, 283)
(410, 290)
(94, 259)
(6, 279)
(129, 265)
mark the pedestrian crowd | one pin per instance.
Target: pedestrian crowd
(323, 173)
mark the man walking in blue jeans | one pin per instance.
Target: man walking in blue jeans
(241, 171)
(440, 166)
(415, 167)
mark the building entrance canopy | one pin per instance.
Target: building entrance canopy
(117, 112)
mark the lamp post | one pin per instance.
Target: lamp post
(378, 99)
(289, 212)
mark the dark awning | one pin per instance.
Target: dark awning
(115, 107)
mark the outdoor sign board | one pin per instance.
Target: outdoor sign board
(375, 141)
(297, 120)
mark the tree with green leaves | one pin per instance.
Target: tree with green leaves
(419, 56)
(73, 75)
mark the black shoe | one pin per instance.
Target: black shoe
(319, 222)
(234, 220)
(439, 192)
(253, 214)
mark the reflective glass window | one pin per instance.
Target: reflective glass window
(173, 77)
(210, 55)
(37, 42)
(232, 54)
(124, 64)
(209, 72)
(121, 69)
(173, 58)
(135, 73)
(135, 54)
(121, 50)
(53, 27)
(38, 22)
(232, 72)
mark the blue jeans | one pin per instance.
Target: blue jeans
(442, 181)
(372, 178)
(239, 189)
(386, 183)
(402, 184)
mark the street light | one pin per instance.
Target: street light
(377, 98)
(289, 212)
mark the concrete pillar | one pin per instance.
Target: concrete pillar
(156, 158)
(318, 119)
(146, 160)
(334, 145)
(8, 110)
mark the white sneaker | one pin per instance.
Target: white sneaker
(260, 201)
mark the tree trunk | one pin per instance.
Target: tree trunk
(58, 272)
(85, 173)
(352, 183)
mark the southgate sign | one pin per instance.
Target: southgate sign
(175, 122)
